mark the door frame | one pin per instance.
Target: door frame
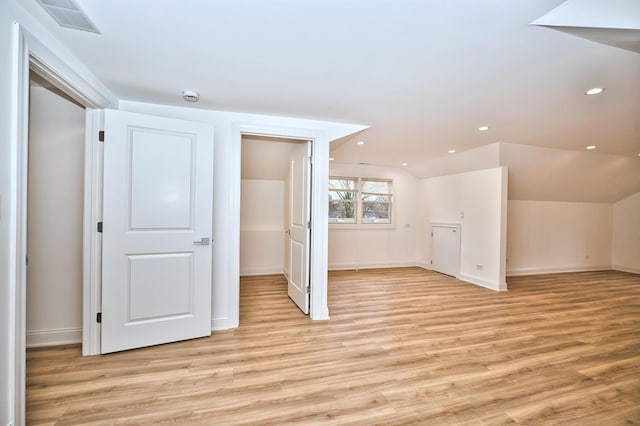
(318, 307)
(29, 51)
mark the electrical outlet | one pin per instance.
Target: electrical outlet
(479, 267)
(461, 215)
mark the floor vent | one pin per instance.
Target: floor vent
(67, 14)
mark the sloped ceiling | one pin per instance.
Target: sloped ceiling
(612, 22)
(424, 74)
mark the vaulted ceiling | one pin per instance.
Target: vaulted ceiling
(423, 74)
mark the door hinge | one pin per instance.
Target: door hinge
(309, 224)
(101, 135)
(310, 159)
(99, 317)
(432, 262)
(308, 289)
(99, 226)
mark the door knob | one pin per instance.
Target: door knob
(204, 241)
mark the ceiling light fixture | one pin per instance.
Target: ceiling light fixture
(190, 95)
(331, 158)
(404, 164)
(452, 151)
(594, 91)
(360, 143)
(483, 128)
(591, 147)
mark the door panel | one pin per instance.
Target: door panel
(445, 249)
(158, 191)
(299, 232)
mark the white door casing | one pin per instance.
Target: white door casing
(445, 248)
(157, 215)
(299, 225)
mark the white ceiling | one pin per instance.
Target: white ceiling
(424, 74)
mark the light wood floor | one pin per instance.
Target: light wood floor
(403, 346)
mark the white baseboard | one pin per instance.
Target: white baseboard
(373, 265)
(321, 316)
(58, 336)
(626, 268)
(424, 265)
(480, 282)
(557, 270)
(260, 271)
(220, 323)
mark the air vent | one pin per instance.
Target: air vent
(67, 14)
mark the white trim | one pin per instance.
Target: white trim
(480, 282)
(220, 323)
(371, 265)
(248, 272)
(58, 336)
(424, 265)
(28, 49)
(557, 270)
(626, 268)
(319, 212)
(92, 240)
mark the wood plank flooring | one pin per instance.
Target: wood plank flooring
(403, 346)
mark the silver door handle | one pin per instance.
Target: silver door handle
(288, 232)
(204, 241)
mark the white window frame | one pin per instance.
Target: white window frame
(356, 193)
(359, 224)
(363, 193)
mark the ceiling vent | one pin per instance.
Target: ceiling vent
(67, 14)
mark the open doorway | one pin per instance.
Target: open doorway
(275, 189)
(54, 216)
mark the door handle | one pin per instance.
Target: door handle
(288, 232)
(204, 241)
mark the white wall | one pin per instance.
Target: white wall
(262, 237)
(378, 245)
(227, 173)
(626, 234)
(56, 174)
(551, 236)
(479, 196)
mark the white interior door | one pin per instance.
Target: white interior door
(299, 226)
(445, 249)
(157, 210)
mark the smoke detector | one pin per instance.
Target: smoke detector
(190, 95)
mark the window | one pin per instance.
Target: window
(360, 200)
(342, 200)
(376, 201)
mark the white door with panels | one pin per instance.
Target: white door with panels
(157, 226)
(299, 229)
(445, 248)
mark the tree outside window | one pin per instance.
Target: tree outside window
(371, 197)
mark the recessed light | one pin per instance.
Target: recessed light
(591, 147)
(483, 128)
(331, 158)
(594, 91)
(404, 164)
(452, 151)
(360, 143)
